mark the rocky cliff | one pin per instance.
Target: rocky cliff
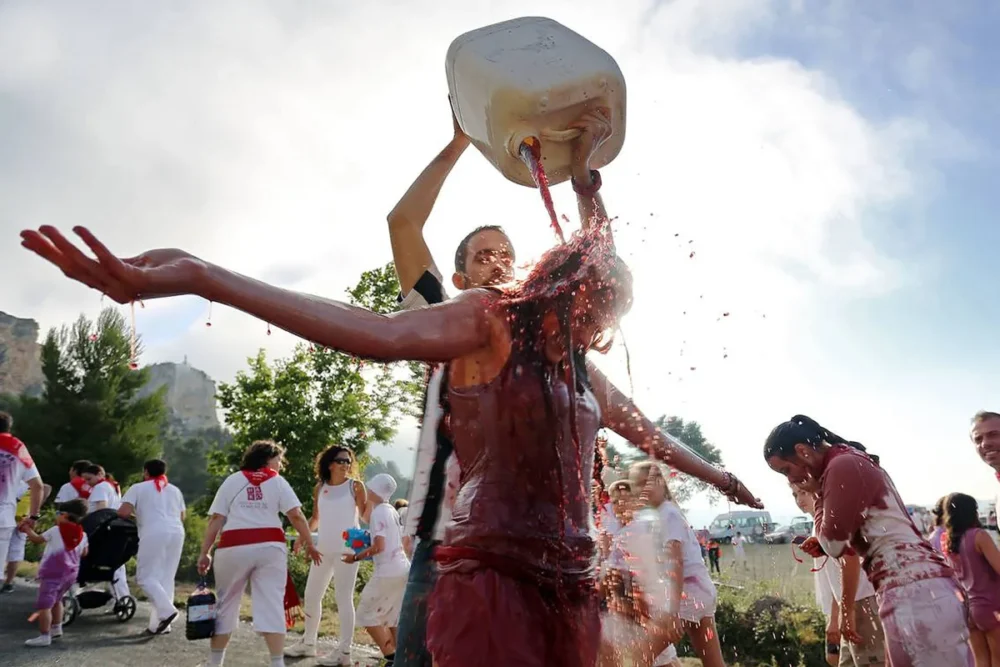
(190, 395)
(20, 363)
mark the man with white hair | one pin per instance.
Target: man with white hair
(382, 597)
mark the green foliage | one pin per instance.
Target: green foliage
(194, 532)
(318, 397)
(767, 631)
(90, 408)
(187, 456)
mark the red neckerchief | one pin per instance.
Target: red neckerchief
(71, 533)
(16, 448)
(159, 482)
(81, 486)
(258, 477)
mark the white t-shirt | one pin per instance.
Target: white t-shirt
(12, 474)
(248, 506)
(392, 560)
(54, 543)
(738, 542)
(157, 511)
(105, 492)
(67, 492)
(675, 528)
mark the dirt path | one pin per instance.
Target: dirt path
(99, 640)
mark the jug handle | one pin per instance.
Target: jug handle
(560, 136)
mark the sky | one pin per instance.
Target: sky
(830, 165)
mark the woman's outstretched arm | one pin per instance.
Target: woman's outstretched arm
(622, 416)
(442, 332)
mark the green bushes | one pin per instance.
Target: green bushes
(767, 631)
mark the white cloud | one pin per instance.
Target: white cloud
(275, 139)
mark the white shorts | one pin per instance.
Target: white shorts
(15, 549)
(381, 601)
(265, 567)
(697, 600)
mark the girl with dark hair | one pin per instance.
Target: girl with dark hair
(858, 510)
(338, 502)
(246, 510)
(977, 565)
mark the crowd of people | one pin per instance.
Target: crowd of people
(512, 552)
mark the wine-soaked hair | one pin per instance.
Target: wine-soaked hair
(802, 430)
(586, 263)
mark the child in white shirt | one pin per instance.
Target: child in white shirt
(382, 597)
(65, 543)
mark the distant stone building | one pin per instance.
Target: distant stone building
(20, 356)
(190, 395)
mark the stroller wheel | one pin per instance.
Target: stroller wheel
(71, 609)
(125, 609)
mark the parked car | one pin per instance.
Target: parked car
(800, 526)
(752, 524)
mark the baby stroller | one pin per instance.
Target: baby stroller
(112, 543)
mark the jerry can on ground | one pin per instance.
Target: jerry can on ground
(532, 77)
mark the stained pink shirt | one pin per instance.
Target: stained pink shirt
(859, 508)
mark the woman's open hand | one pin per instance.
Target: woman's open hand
(153, 274)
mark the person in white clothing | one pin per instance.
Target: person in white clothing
(382, 597)
(691, 605)
(853, 630)
(739, 552)
(247, 511)
(15, 552)
(77, 487)
(630, 557)
(16, 467)
(339, 500)
(105, 494)
(159, 510)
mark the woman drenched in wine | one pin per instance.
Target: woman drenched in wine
(520, 411)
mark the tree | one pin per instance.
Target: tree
(317, 397)
(89, 408)
(187, 455)
(689, 433)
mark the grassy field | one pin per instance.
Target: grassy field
(769, 570)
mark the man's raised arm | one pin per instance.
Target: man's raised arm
(406, 221)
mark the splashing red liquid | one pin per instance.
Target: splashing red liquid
(531, 155)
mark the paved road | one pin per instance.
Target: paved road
(98, 640)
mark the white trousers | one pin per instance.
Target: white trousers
(344, 577)
(155, 570)
(15, 549)
(120, 583)
(5, 535)
(265, 566)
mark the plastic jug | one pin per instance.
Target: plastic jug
(201, 611)
(532, 77)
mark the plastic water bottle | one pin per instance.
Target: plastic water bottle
(531, 78)
(201, 612)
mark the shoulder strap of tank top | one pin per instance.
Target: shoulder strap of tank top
(436, 480)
